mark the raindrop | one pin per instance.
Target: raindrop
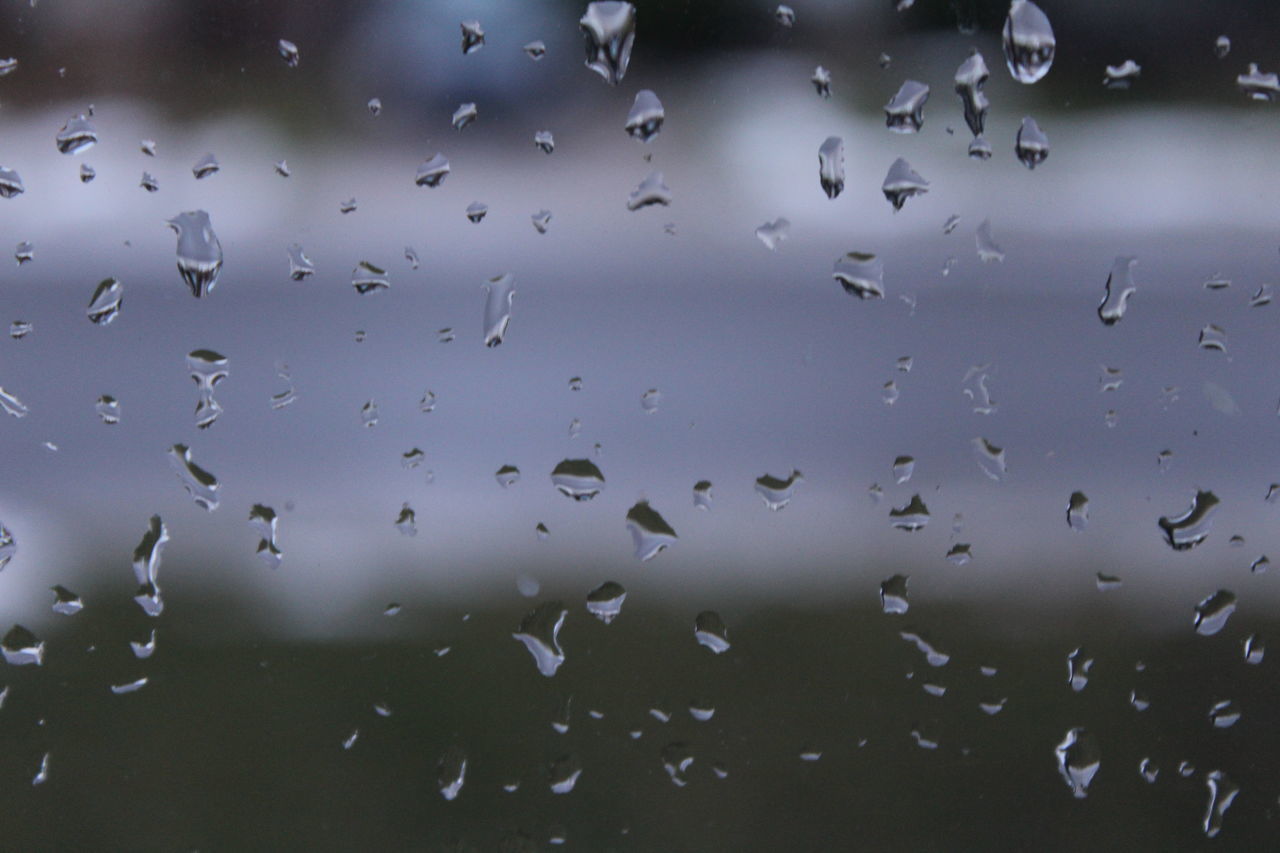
(433, 171)
(205, 166)
(650, 532)
(1078, 667)
(1222, 792)
(1164, 460)
(610, 31)
(472, 37)
(646, 116)
(12, 405)
(1079, 756)
(605, 601)
(1262, 297)
(701, 711)
(350, 740)
(861, 274)
(199, 483)
(8, 66)
(564, 774)
(19, 329)
(650, 400)
(1259, 86)
(287, 396)
(1106, 583)
(146, 567)
(677, 758)
(412, 458)
(932, 654)
(543, 534)
(76, 136)
(199, 252)
(1259, 565)
(106, 301)
(428, 402)
(476, 211)
(911, 517)
(1190, 529)
(369, 278)
(901, 183)
(960, 554)
(535, 50)
(980, 148)
(499, 291)
(905, 111)
(540, 633)
(507, 475)
(445, 335)
(369, 414)
(464, 115)
(1213, 612)
(988, 249)
(884, 60)
(785, 15)
(921, 740)
(21, 648)
(1028, 41)
(149, 182)
(282, 169)
(66, 602)
(1111, 379)
(129, 686)
(1031, 145)
(904, 364)
(950, 225)
(406, 521)
(142, 651)
(42, 775)
(970, 78)
(775, 492)
(451, 772)
(10, 183)
(24, 252)
(541, 220)
(300, 266)
(263, 519)
(411, 256)
(1255, 649)
(1213, 338)
(702, 494)
(375, 106)
(710, 631)
(207, 369)
(1221, 47)
(1077, 511)
(889, 392)
(652, 190)
(1148, 770)
(544, 141)
(108, 409)
(821, 80)
(974, 386)
(990, 458)
(1122, 75)
(1224, 714)
(288, 52)
(579, 479)
(893, 595)
(903, 468)
(831, 166)
(148, 147)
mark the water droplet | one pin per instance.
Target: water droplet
(988, 249)
(903, 468)
(263, 519)
(889, 392)
(1111, 379)
(884, 60)
(107, 299)
(24, 252)
(610, 31)
(1213, 612)
(785, 16)
(8, 66)
(406, 521)
(129, 686)
(146, 567)
(652, 190)
(565, 771)
(108, 409)
(499, 292)
(905, 111)
(980, 148)
(1077, 511)
(893, 594)
(1224, 714)
(535, 50)
(1031, 145)
(775, 492)
(282, 168)
(950, 225)
(540, 633)
(1079, 757)
(932, 654)
(149, 182)
(1122, 75)
(76, 136)
(646, 116)
(199, 252)
(702, 494)
(207, 369)
(288, 52)
(1262, 297)
(65, 601)
(861, 274)
(1106, 583)
(710, 631)
(1257, 85)
(412, 458)
(369, 278)
(148, 147)
(991, 459)
(1028, 41)
(605, 601)
(1190, 529)
(199, 483)
(42, 775)
(541, 221)
(445, 335)
(921, 740)
(428, 402)
(677, 758)
(970, 78)
(10, 183)
(1255, 649)
(910, 517)
(21, 648)
(1260, 565)
(205, 166)
(650, 532)
(821, 80)
(369, 414)
(300, 266)
(287, 396)
(472, 37)
(1164, 460)
(433, 171)
(544, 141)
(650, 400)
(12, 405)
(451, 772)
(144, 650)
(375, 107)
(19, 329)
(1221, 47)
(901, 183)
(476, 211)
(1222, 792)
(831, 166)
(960, 554)
(411, 256)
(507, 475)
(1078, 667)
(1213, 338)
(579, 479)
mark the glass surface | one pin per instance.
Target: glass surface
(688, 426)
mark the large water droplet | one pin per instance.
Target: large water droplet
(1028, 41)
(1031, 145)
(1079, 758)
(970, 78)
(106, 301)
(433, 171)
(540, 633)
(905, 111)
(207, 369)
(146, 566)
(263, 519)
(901, 183)
(76, 136)
(1119, 287)
(710, 631)
(21, 647)
(893, 595)
(1222, 792)
(650, 532)
(579, 479)
(652, 190)
(831, 166)
(199, 483)
(1213, 612)
(1190, 529)
(605, 601)
(199, 252)
(610, 31)
(646, 116)
(775, 492)
(499, 292)
(911, 516)
(472, 37)
(861, 274)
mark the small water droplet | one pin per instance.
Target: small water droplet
(367, 277)
(1079, 758)
(428, 402)
(65, 601)
(199, 252)
(893, 595)
(207, 369)
(1078, 511)
(288, 52)
(21, 647)
(1257, 85)
(540, 633)
(884, 60)
(205, 166)
(1122, 76)
(777, 493)
(544, 141)
(921, 740)
(970, 78)
(905, 111)
(129, 686)
(652, 190)
(199, 483)
(1190, 529)
(149, 182)
(445, 335)
(1224, 714)
(903, 468)
(960, 554)
(375, 107)
(369, 414)
(677, 758)
(702, 494)
(785, 16)
(1221, 47)
(507, 475)
(1262, 297)
(76, 136)
(107, 299)
(605, 601)
(861, 274)
(476, 211)
(8, 66)
(932, 654)
(1106, 583)
(831, 166)
(1260, 565)
(991, 459)
(650, 532)
(710, 631)
(980, 148)
(19, 329)
(1031, 145)
(650, 400)
(541, 220)
(974, 386)
(535, 50)
(10, 183)
(146, 649)
(901, 183)
(451, 772)
(264, 521)
(1078, 666)
(1213, 337)
(433, 171)
(472, 37)
(108, 409)
(300, 266)
(282, 168)
(42, 775)
(1118, 289)
(646, 116)
(821, 81)
(406, 521)
(988, 249)
(12, 405)
(610, 32)
(579, 479)
(950, 225)
(1028, 41)
(912, 516)
(1255, 649)
(1213, 612)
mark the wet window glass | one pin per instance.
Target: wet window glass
(638, 426)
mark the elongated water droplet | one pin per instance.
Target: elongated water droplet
(451, 772)
(1257, 85)
(207, 369)
(1222, 793)
(11, 405)
(821, 81)
(411, 256)
(893, 595)
(199, 483)
(433, 171)
(970, 78)
(901, 183)
(646, 116)
(1077, 511)
(579, 479)
(8, 66)
(1079, 758)
(1078, 666)
(1190, 529)
(988, 249)
(775, 492)
(499, 292)
(911, 516)
(1262, 297)
(933, 656)
(540, 633)
(650, 532)
(652, 190)
(199, 252)
(605, 601)
(1028, 41)
(1122, 76)
(1031, 145)
(610, 32)
(129, 686)
(42, 774)
(107, 299)
(903, 468)
(1118, 289)
(205, 166)
(710, 631)
(21, 647)
(76, 136)
(472, 37)
(1106, 582)
(288, 52)
(831, 166)
(1255, 649)
(263, 519)
(905, 111)
(991, 459)
(146, 566)
(861, 274)
(1213, 612)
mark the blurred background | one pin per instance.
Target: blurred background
(294, 707)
